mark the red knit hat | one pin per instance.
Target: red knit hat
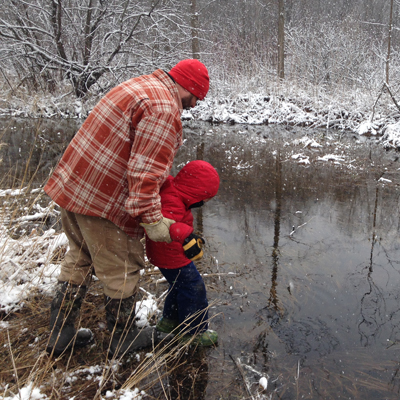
(192, 75)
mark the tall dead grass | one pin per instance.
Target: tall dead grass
(84, 373)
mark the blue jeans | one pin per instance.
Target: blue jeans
(186, 300)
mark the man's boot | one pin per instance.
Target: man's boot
(65, 309)
(126, 337)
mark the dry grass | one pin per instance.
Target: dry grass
(82, 373)
(88, 373)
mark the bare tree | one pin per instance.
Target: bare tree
(338, 44)
(83, 39)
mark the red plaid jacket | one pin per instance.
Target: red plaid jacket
(117, 161)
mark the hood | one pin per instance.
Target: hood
(196, 181)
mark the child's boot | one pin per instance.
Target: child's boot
(167, 325)
(202, 339)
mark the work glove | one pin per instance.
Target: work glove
(192, 247)
(159, 231)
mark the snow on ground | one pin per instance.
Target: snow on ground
(391, 136)
(331, 157)
(94, 373)
(28, 393)
(258, 109)
(26, 263)
(126, 394)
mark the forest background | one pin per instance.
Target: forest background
(57, 57)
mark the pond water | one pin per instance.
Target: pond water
(302, 257)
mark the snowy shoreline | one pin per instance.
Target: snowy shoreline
(355, 115)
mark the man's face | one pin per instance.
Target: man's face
(189, 101)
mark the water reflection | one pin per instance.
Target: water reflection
(320, 269)
(273, 303)
(373, 299)
(30, 148)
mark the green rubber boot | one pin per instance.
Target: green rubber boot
(203, 339)
(167, 325)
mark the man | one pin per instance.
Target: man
(107, 184)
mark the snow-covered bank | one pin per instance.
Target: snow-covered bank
(26, 262)
(256, 109)
(353, 112)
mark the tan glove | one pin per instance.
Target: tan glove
(159, 231)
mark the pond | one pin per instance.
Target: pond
(302, 259)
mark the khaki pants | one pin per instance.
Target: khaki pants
(116, 257)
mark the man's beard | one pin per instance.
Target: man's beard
(187, 101)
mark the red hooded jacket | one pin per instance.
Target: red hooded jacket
(196, 181)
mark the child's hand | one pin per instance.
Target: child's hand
(192, 247)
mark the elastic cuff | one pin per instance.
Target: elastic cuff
(150, 224)
(151, 219)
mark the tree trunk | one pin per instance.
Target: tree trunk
(389, 41)
(281, 40)
(194, 24)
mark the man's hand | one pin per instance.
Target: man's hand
(192, 247)
(159, 231)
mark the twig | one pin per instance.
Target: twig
(218, 274)
(391, 95)
(240, 369)
(376, 102)
(300, 226)
(296, 378)
(145, 291)
(13, 361)
(298, 370)
(384, 86)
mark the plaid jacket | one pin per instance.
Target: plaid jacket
(117, 161)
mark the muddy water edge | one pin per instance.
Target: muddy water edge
(302, 256)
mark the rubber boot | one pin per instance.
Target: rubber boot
(203, 339)
(167, 325)
(126, 337)
(64, 311)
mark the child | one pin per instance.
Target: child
(186, 304)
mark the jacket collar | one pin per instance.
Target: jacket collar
(167, 80)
